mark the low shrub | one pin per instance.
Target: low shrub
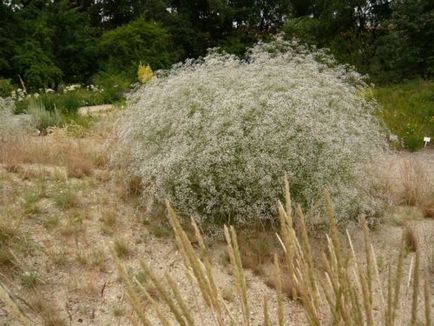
(6, 87)
(114, 85)
(42, 117)
(215, 135)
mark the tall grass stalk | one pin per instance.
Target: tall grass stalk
(12, 308)
(343, 290)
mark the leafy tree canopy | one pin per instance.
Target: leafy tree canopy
(49, 42)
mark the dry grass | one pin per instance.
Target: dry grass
(410, 238)
(417, 187)
(121, 248)
(350, 292)
(78, 156)
(428, 208)
(258, 249)
(407, 181)
(12, 307)
(42, 213)
(46, 310)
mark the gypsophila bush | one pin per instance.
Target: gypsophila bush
(215, 136)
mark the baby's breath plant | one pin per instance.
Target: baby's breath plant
(216, 135)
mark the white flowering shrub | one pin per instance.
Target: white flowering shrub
(216, 136)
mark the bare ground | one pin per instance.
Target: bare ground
(58, 231)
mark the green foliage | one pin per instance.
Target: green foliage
(122, 49)
(6, 87)
(407, 50)
(57, 110)
(237, 43)
(113, 84)
(305, 28)
(389, 40)
(408, 111)
(65, 102)
(52, 42)
(36, 67)
(43, 118)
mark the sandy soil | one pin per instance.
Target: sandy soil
(65, 229)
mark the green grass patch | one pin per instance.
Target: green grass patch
(408, 111)
(65, 102)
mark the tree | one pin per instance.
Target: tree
(407, 50)
(122, 49)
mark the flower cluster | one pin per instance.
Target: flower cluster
(71, 88)
(95, 89)
(18, 94)
(216, 136)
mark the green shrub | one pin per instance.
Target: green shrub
(6, 87)
(122, 49)
(37, 68)
(113, 85)
(214, 136)
(43, 118)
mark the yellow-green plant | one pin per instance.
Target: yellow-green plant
(144, 73)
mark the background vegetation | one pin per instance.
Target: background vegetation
(408, 110)
(47, 43)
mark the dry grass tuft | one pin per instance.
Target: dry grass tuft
(414, 181)
(78, 167)
(410, 239)
(12, 308)
(46, 310)
(417, 187)
(121, 248)
(12, 168)
(12, 241)
(428, 208)
(409, 184)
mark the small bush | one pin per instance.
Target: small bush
(44, 119)
(121, 248)
(66, 198)
(410, 239)
(6, 87)
(114, 85)
(216, 135)
(123, 48)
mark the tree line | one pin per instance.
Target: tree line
(46, 42)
